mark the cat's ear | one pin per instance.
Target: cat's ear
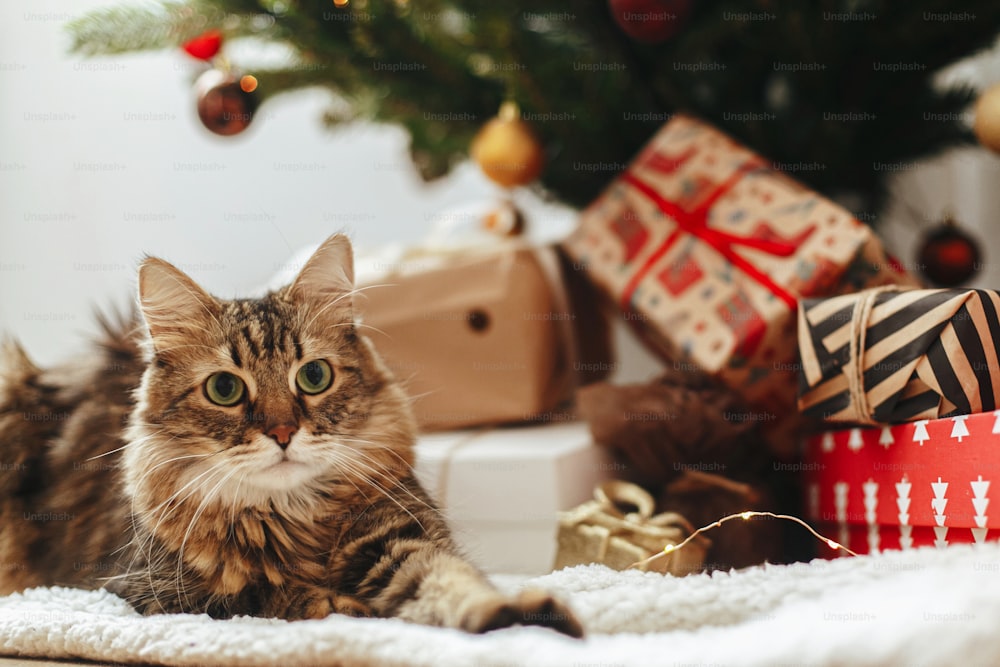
(173, 305)
(328, 274)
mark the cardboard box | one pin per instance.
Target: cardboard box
(488, 336)
(501, 489)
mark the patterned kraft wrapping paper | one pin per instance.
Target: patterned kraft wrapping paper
(706, 249)
(925, 483)
(883, 356)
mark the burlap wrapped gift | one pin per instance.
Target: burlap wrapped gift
(603, 531)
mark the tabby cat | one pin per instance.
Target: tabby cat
(251, 456)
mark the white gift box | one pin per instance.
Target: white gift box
(500, 489)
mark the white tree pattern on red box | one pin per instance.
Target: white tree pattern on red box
(924, 483)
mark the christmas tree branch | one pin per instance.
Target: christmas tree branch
(117, 30)
(829, 96)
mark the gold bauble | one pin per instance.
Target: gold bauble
(507, 150)
(987, 123)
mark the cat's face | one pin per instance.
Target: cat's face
(252, 402)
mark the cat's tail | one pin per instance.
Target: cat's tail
(18, 386)
(15, 367)
(122, 334)
(19, 463)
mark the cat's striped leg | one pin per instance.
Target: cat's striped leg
(436, 587)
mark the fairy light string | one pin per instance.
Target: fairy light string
(745, 516)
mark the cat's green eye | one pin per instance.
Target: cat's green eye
(224, 389)
(314, 377)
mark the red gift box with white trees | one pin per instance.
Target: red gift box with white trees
(924, 483)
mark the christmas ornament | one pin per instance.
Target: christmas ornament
(205, 45)
(504, 220)
(226, 103)
(987, 122)
(948, 256)
(649, 21)
(507, 150)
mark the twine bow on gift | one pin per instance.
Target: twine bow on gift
(600, 531)
(695, 222)
(860, 408)
(891, 354)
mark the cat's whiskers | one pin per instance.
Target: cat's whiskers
(236, 500)
(145, 548)
(161, 555)
(172, 348)
(379, 446)
(397, 482)
(202, 506)
(131, 443)
(333, 302)
(134, 513)
(365, 472)
(362, 325)
(413, 397)
(142, 479)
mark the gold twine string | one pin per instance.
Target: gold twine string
(859, 330)
(746, 516)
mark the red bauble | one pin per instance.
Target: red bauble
(650, 21)
(224, 105)
(205, 45)
(949, 257)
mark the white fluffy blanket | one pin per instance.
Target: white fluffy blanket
(925, 607)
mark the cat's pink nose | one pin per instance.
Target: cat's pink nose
(282, 433)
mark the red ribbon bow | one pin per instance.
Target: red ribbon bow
(695, 222)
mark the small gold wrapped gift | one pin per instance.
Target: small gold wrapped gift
(600, 531)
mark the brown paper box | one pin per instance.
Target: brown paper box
(487, 337)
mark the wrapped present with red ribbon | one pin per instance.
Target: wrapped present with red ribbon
(708, 249)
(922, 483)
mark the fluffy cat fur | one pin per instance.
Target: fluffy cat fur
(119, 469)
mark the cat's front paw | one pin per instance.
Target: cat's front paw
(319, 603)
(530, 607)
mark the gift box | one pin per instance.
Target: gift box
(501, 489)
(618, 529)
(485, 335)
(923, 483)
(887, 356)
(707, 249)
